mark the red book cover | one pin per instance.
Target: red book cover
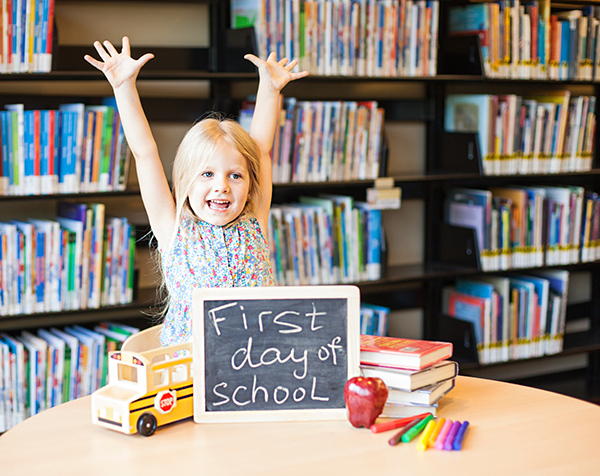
(402, 353)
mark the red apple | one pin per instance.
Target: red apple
(364, 397)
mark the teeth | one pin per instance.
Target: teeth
(219, 204)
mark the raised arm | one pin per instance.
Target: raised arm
(274, 75)
(121, 71)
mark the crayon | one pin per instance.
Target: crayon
(415, 430)
(460, 435)
(424, 442)
(439, 442)
(451, 435)
(393, 424)
(436, 431)
(394, 440)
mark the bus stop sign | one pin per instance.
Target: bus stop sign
(165, 401)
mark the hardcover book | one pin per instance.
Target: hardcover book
(403, 353)
(392, 410)
(429, 395)
(410, 380)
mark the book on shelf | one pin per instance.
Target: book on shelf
(56, 362)
(523, 318)
(73, 149)
(468, 308)
(42, 370)
(410, 354)
(316, 141)
(55, 265)
(473, 113)
(491, 304)
(324, 240)
(564, 207)
(500, 324)
(557, 306)
(410, 380)
(16, 384)
(362, 38)
(551, 132)
(474, 20)
(371, 241)
(590, 227)
(26, 33)
(523, 40)
(527, 226)
(472, 208)
(374, 319)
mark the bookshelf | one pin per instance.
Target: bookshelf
(581, 342)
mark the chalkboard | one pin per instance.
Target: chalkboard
(277, 353)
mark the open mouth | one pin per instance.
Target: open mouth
(218, 204)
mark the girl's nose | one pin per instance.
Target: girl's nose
(220, 185)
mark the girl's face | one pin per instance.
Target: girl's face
(219, 194)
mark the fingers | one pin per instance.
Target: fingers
(110, 48)
(254, 60)
(93, 61)
(126, 48)
(144, 59)
(283, 62)
(101, 51)
(299, 75)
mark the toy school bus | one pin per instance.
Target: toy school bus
(146, 388)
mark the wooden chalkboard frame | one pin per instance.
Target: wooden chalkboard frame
(350, 294)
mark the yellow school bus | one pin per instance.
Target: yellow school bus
(146, 388)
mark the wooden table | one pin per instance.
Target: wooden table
(513, 430)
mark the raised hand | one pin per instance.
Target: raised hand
(117, 67)
(275, 73)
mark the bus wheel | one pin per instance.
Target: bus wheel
(146, 424)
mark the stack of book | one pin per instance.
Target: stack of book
(417, 372)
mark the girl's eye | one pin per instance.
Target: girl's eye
(207, 174)
(236, 176)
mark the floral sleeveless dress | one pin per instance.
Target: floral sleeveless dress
(211, 256)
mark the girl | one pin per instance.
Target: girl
(211, 228)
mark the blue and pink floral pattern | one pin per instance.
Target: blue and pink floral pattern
(210, 256)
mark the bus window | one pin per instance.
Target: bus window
(179, 373)
(128, 373)
(160, 358)
(161, 377)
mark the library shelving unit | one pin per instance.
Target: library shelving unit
(401, 287)
(448, 161)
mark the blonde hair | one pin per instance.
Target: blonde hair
(198, 147)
